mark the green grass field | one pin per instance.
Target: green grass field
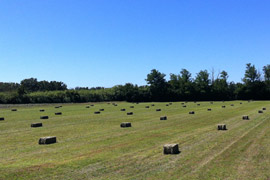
(93, 146)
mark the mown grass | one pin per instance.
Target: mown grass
(93, 146)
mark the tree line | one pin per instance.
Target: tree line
(179, 87)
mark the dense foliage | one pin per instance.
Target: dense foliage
(180, 87)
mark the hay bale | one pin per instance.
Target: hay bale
(167, 104)
(131, 106)
(97, 112)
(241, 103)
(44, 117)
(245, 117)
(171, 149)
(56, 107)
(2, 118)
(163, 118)
(223, 106)
(170, 103)
(232, 104)
(264, 108)
(92, 105)
(13, 109)
(209, 109)
(36, 125)
(184, 106)
(191, 112)
(115, 105)
(152, 104)
(58, 113)
(130, 113)
(123, 109)
(198, 104)
(87, 106)
(221, 127)
(147, 107)
(47, 140)
(158, 109)
(101, 109)
(260, 111)
(182, 103)
(41, 110)
(125, 124)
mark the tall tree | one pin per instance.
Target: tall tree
(251, 74)
(158, 85)
(202, 82)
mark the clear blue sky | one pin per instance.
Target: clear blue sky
(110, 42)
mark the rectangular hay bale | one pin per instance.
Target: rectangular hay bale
(171, 149)
(44, 117)
(2, 118)
(163, 118)
(58, 113)
(36, 125)
(245, 117)
(221, 127)
(158, 109)
(47, 140)
(130, 113)
(125, 124)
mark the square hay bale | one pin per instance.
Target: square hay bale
(221, 127)
(44, 117)
(41, 110)
(56, 107)
(58, 113)
(92, 105)
(184, 106)
(87, 106)
(36, 125)
(232, 104)
(130, 113)
(13, 109)
(147, 107)
(47, 140)
(182, 103)
(171, 149)
(209, 109)
(264, 108)
(97, 112)
(152, 104)
(167, 104)
(191, 112)
(158, 109)
(131, 106)
(123, 109)
(245, 117)
(125, 124)
(223, 106)
(198, 104)
(163, 118)
(2, 118)
(241, 103)
(115, 105)
(260, 111)
(101, 109)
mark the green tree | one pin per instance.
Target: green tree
(158, 85)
